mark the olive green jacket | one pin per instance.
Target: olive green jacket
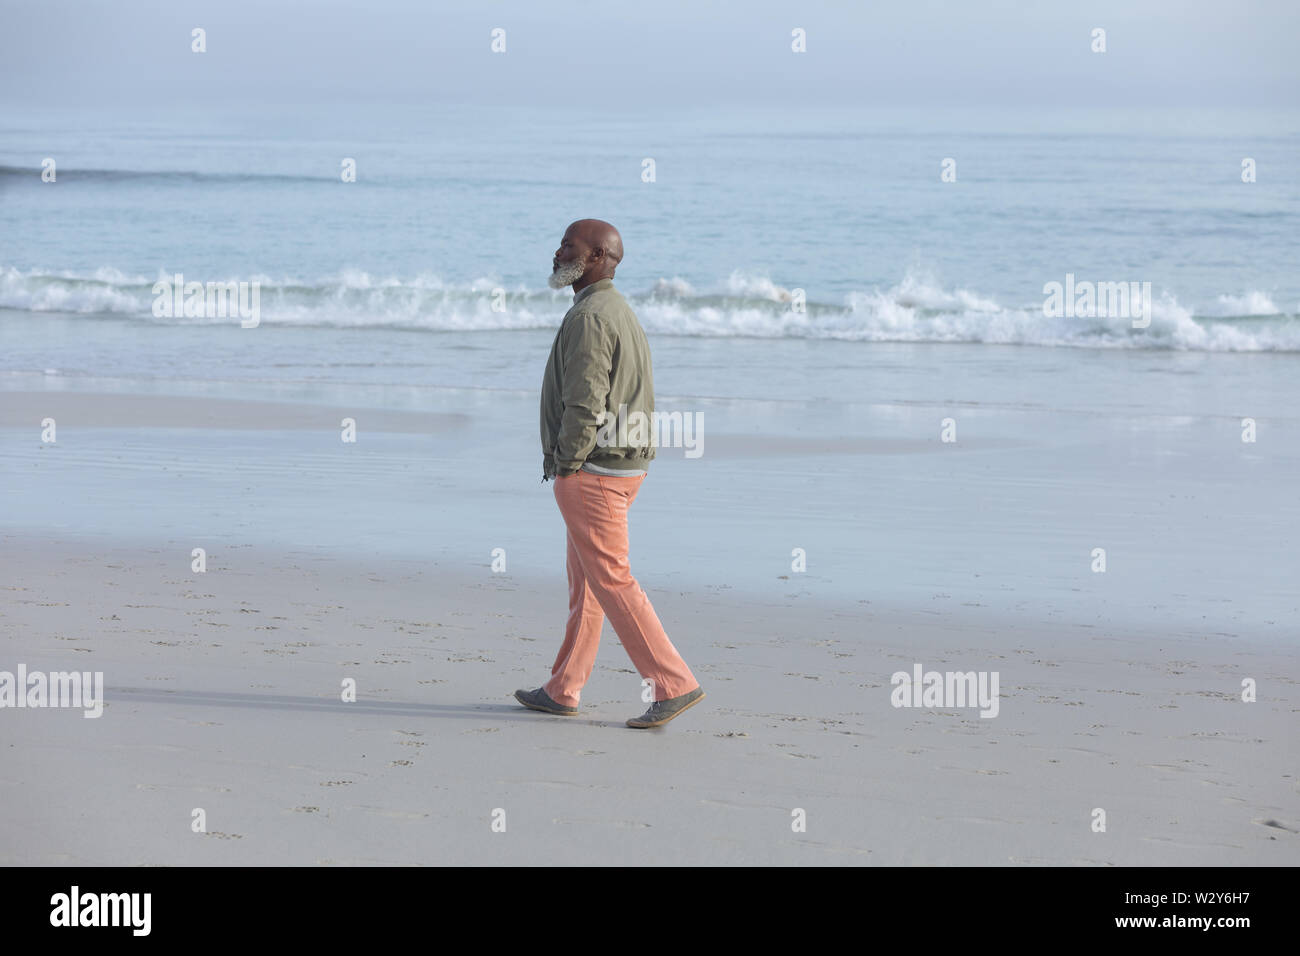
(599, 362)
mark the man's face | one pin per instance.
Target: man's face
(570, 261)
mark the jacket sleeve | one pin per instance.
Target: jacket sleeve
(587, 349)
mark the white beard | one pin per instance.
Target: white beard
(566, 275)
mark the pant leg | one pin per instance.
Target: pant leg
(581, 637)
(595, 511)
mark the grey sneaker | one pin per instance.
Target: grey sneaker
(662, 711)
(540, 700)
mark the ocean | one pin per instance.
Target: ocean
(747, 212)
(422, 286)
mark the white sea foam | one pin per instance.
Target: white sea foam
(676, 287)
(756, 287)
(917, 309)
(1249, 304)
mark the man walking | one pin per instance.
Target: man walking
(599, 371)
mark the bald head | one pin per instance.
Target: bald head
(590, 251)
(599, 235)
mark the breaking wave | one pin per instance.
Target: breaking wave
(743, 305)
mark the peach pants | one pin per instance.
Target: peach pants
(600, 584)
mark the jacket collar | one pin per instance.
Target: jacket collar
(598, 285)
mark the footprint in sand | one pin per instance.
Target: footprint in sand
(1274, 824)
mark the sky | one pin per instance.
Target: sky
(617, 56)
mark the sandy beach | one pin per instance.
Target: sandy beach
(223, 688)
